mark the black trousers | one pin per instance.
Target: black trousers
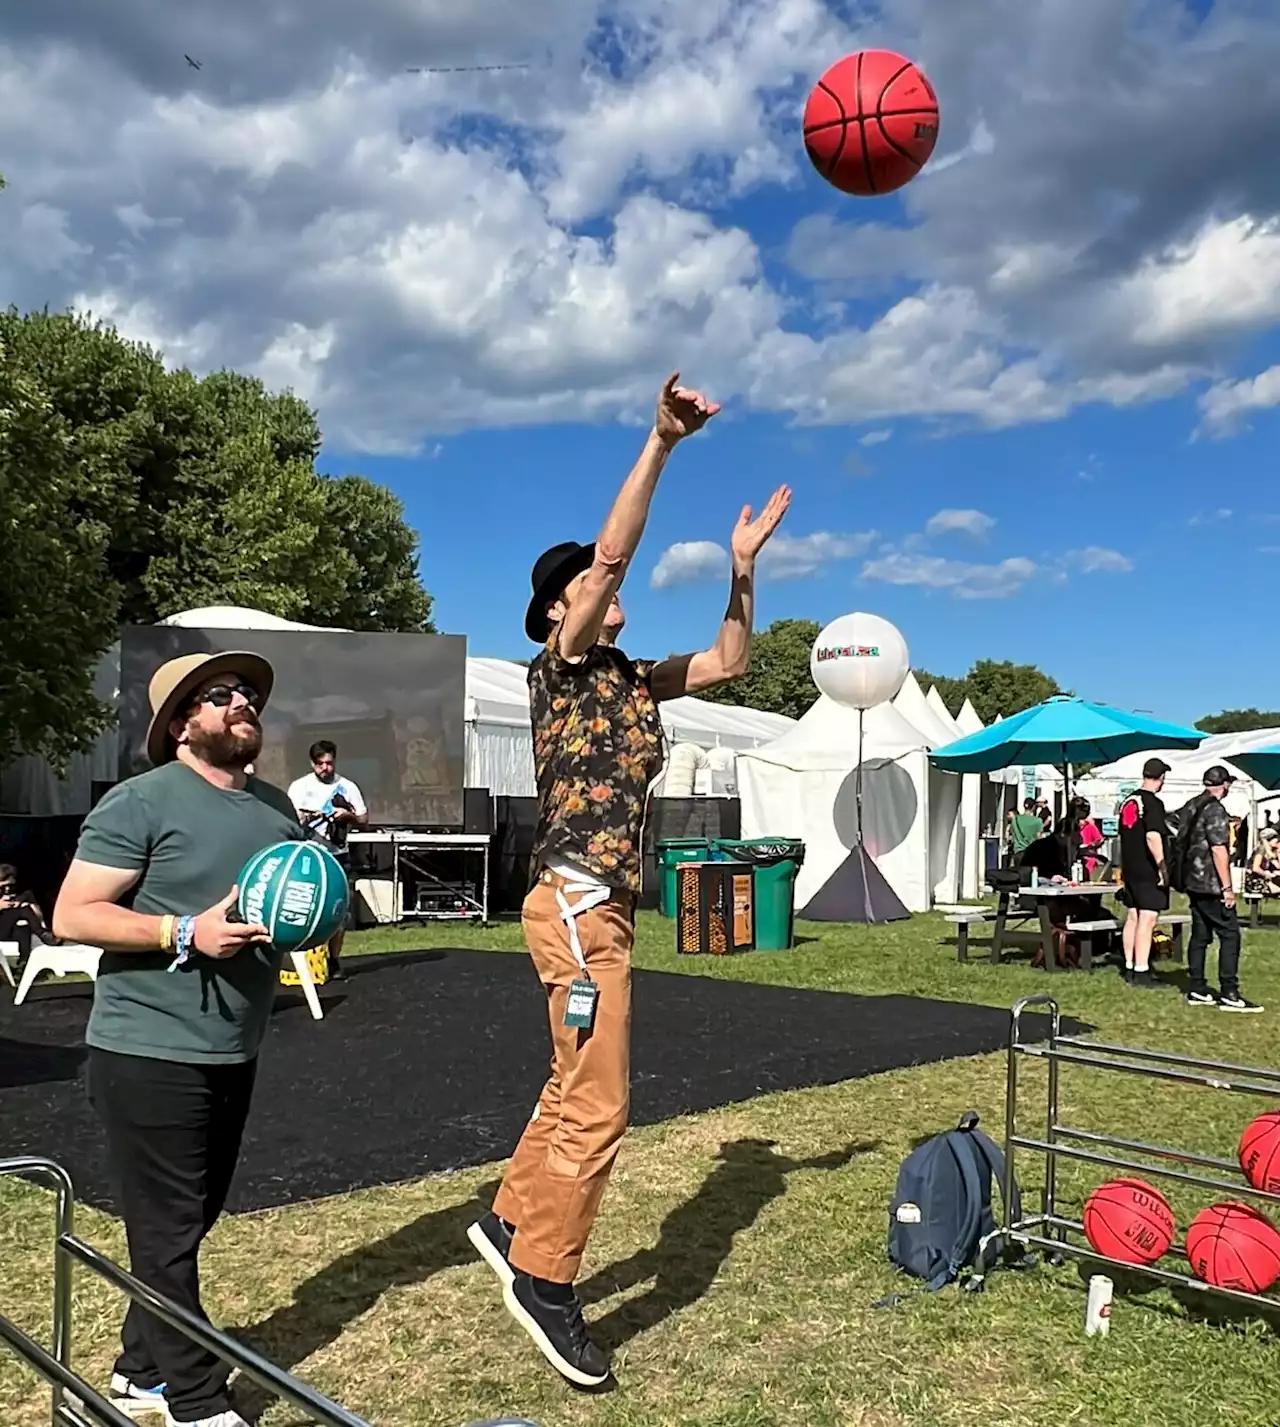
(1210, 914)
(173, 1139)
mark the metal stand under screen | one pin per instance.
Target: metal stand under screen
(857, 890)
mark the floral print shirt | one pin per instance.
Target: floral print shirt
(597, 746)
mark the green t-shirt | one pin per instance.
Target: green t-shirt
(190, 841)
(1027, 828)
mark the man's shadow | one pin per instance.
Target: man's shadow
(343, 1290)
(697, 1237)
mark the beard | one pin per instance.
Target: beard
(232, 746)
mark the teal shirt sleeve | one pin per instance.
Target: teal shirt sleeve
(115, 834)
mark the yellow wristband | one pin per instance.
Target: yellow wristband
(166, 933)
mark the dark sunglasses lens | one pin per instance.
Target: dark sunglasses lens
(222, 694)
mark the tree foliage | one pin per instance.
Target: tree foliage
(128, 493)
(778, 680)
(1239, 720)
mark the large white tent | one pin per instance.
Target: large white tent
(1107, 786)
(499, 744)
(803, 785)
(944, 792)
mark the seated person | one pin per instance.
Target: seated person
(1263, 874)
(16, 907)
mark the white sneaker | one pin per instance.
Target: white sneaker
(133, 1400)
(219, 1419)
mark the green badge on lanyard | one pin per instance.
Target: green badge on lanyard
(580, 1010)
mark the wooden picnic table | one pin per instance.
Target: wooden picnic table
(1044, 894)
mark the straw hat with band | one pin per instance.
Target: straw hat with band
(173, 685)
(553, 570)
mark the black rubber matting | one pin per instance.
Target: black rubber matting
(433, 1060)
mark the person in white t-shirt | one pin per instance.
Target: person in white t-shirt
(329, 807)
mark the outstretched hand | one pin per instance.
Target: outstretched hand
(750, 534)
(681, 411)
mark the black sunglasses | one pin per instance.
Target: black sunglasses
(222, 694)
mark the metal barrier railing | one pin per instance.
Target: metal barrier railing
(72, 1395)
(1067, 1142)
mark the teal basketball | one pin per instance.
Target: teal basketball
(298, 891)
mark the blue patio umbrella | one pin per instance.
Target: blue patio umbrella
(1061, 731)
(1260, 764)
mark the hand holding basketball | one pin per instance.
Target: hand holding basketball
(749, 535)
(217, 937)
(681, 411)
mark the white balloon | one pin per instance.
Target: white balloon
(860, 660)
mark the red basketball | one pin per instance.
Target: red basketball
(1260, 1152)
(871, 122)
(1127, 1219)
(1233, 1246)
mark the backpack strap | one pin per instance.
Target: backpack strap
(994, 1162)
(960, 1143)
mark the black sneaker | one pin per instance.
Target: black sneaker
(491, 1238)
(1147, 981)
(1236, 1002)
(1201, 998)
(558, 1329)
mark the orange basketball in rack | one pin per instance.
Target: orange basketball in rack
(1260, 1152)
(1233, 1246)
(871, 122)
(1128, 1220)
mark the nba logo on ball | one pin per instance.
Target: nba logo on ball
(298, 891)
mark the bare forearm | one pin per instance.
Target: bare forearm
(1155, 845)
(1222, 865)
(733, 643)
(620, 535)
(106, 925)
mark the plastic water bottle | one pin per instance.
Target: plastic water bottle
(1077, 871)
(1097, 1313)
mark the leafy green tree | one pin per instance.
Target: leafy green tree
(1239, 720)
(130, 492)
(778, 680)
(995, 687)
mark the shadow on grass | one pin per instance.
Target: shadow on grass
(697, 1237)
(325, 1304)
(1197, 1305)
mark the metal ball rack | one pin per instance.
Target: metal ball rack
(1060, 1237)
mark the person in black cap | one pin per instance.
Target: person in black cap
(1207, 878)
(1144, 836)
(598, 745)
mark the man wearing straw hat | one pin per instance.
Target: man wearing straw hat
(181, 1000)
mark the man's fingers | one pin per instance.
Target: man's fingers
(230, 899)
(669, 386)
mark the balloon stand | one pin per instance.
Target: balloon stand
(857, 890)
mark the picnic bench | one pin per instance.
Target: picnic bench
(1255, 901)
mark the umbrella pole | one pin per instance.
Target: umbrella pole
(857, 781)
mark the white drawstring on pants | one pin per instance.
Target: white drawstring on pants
(591, 895)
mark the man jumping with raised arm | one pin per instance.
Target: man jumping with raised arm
(598, 746)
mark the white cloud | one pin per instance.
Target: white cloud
(1226, 406)
(1213, 517)
(423, 253)
(688, 562)
(876, 438)
(785, 557)
(958, 577)
(1098, 560)
(792, 557)
(964, 522)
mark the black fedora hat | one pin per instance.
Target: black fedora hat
(552, 571)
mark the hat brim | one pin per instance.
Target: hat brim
(258, 672)
(536, 624)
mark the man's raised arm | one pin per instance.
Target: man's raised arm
(729, 656)
(681, 412)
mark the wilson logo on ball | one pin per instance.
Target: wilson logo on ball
(298, 891)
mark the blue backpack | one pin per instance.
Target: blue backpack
(940, 1220)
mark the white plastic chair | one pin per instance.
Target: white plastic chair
(58, 961)
(307, 982)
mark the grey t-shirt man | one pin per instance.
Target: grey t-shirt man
(190, 840)
(1210, 828)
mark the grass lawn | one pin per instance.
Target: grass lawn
(738, 1252)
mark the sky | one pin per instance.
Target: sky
(1028, 405)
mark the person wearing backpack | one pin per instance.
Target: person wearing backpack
(1204, 834)
(1144, 837)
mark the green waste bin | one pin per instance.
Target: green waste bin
(775, 862)
(672, 851)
